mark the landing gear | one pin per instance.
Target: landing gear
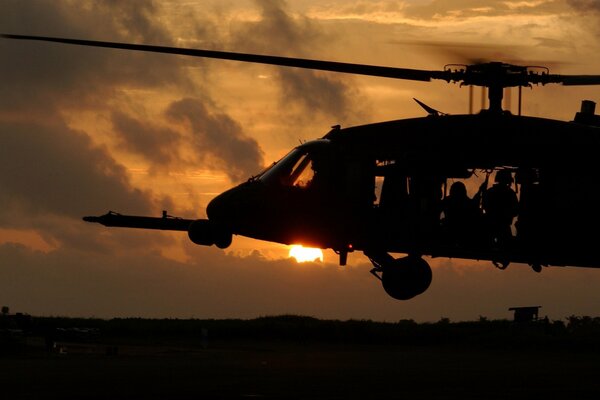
(402, 278)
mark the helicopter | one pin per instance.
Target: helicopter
(387, 187)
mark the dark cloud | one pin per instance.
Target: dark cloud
(158, 145)
(41, 83)
(37, 74)
(51, 174)
(317, 93)
(48, 168)
(218, 139)
(585, 5)
(586, 14)
(91, 240)
(553, 44)
(278, 32)
(437, 9)
(136, 19)
(54, 78)
(368, 7)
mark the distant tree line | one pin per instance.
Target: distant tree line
(576, 332)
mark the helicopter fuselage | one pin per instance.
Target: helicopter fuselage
(380, 188)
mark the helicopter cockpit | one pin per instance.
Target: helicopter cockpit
(298, 168)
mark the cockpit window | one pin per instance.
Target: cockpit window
(302, 173)
(295, 169)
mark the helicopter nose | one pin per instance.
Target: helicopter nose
(236, 206)
(217, 208)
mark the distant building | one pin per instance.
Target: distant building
(525, 314)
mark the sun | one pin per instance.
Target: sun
(305, 254)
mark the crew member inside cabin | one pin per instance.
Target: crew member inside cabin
(501, 206)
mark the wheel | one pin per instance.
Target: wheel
(406, 278)
(222, 239)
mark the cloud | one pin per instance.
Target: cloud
(156, 144)
(317, 94)
(217, 285)
(279, 32)
(217, 139)
(73, 118)
(49, 168)
(42, 74)
(52, 174)
(585, 5)
(134, 20)
(439, 9)
(46, 81)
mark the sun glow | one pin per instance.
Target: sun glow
(305, 254)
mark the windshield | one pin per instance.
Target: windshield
(295, 169)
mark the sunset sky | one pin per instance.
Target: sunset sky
(87, 130)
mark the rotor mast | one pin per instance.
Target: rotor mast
(495, 96)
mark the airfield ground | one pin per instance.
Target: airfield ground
(437, 361)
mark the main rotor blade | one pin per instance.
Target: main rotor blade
(333, 66)
(577, 80)
(565, 80)
(359, 69)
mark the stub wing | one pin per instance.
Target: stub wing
(165, 223)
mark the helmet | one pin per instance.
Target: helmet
(503, 176)
(458, 189)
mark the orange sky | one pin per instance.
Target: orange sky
(86, 130)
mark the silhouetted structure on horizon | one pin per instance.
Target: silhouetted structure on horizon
(525, 314)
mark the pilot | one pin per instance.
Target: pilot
(501, 206)
(461, 213)
(319, 181)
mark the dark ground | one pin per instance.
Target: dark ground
(301, 358)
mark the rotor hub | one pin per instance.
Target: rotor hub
(496, 76)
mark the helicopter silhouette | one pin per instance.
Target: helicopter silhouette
(399, 186)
